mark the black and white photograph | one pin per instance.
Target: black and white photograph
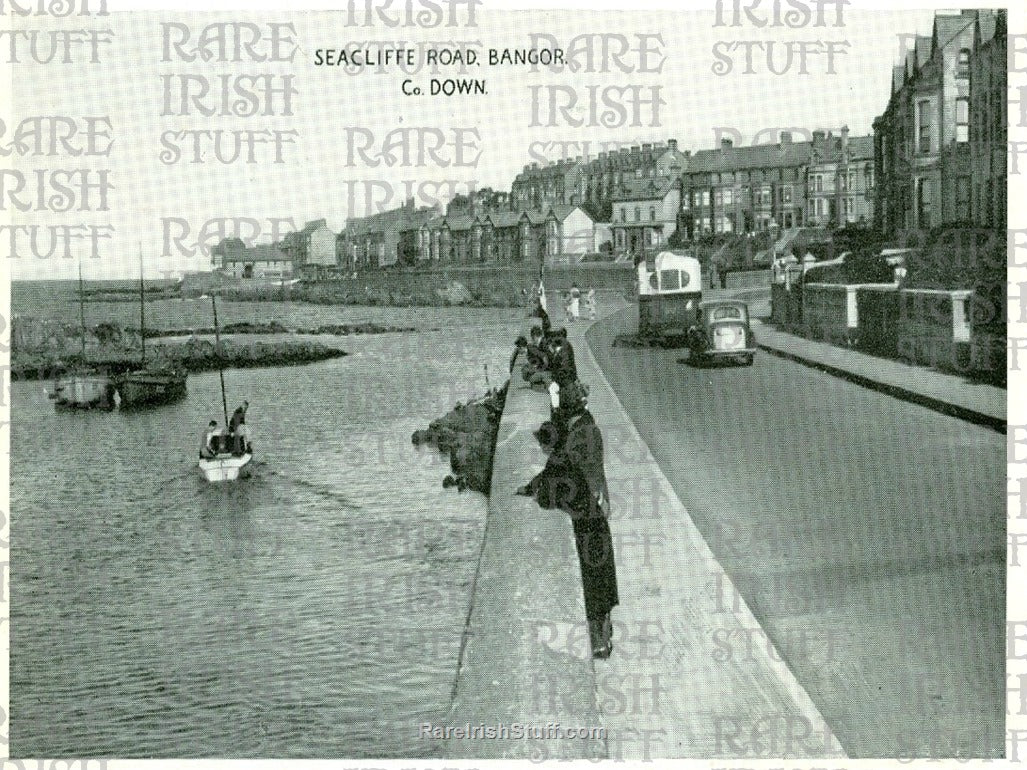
(452, 381)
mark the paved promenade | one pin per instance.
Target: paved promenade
(946, 393)
(671, 687)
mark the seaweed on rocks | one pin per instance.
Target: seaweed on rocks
(468, 435)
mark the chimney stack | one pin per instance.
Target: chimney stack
(672, 144)
(845, 137)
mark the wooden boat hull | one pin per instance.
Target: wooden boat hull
(224, 467)
(84, 391)
(150, 389)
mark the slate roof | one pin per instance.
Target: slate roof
(751, 156)
(643, 188)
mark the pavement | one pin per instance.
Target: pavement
(946, 393)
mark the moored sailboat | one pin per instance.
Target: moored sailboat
(83, 387)
(154, 384)
(223, 463)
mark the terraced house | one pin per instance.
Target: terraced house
(840, 179)
(922, 152)
(745, 189)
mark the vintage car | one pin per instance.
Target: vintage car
(722, 332)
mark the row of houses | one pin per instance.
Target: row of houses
(940, 145)
(937, 156)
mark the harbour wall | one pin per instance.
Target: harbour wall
(525, 661)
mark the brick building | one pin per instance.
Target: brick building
(840, 179)
(745, 189)
(922, 140)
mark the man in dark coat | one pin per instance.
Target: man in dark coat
(574, 480)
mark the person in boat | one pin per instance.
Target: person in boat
(211, 443)
(237, 429)
(574, 480)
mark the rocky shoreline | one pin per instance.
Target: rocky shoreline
(468, 435)
(274, 327)
(195, 355)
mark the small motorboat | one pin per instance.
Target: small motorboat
(225, 466)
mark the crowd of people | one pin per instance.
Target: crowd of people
(235, 440)
(573, 479)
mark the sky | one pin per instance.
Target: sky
(160, 209)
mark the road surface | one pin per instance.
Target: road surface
(867, 535)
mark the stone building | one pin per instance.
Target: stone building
(840, 180)
(759, 187)
(922, 140)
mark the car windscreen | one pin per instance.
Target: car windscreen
(726, 313)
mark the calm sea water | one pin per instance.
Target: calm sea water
(314, 610)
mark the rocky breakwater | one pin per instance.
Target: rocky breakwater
(41, 356)
(468, 434)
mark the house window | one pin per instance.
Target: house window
(652, 213)
(962, 119)
(727, 197)
(868, 176)
(963, 63)
(718, 198)
(818, 182)
(706, 197)
(924, 124)
(850, 208)
(638, 214)
(786, 194)
(923, 203)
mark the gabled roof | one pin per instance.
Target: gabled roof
(563, 210)
(643, 188)
(948, 26)
(898, 77)
(313, 225)
(750, 156)
(534, 216)
(988, 24)
(504, 218)
(922, 49)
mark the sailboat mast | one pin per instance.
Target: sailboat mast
(81, 311)
(217, 348)
(142, 305)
